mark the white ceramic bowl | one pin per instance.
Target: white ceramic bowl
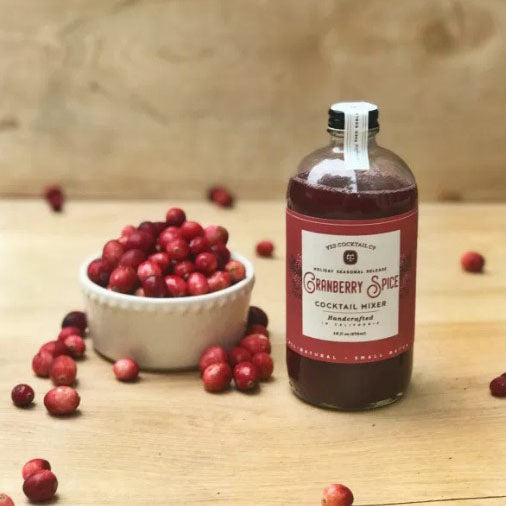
(163, 334)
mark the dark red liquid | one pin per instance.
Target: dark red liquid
(350, 386)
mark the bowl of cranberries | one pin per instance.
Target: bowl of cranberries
(165, 291)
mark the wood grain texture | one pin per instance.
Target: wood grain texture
(153, 98)
(165, 441)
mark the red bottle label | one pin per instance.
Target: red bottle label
(350, 287)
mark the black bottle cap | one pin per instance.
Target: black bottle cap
(336, 114)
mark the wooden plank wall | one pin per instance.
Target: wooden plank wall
(145, 98)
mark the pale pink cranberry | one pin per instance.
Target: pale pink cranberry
(222, 254)
(184, 269)
(265, 248)
(221, 196)
(257, 316)
(216, 234)
(154, 286)
(175, 216)
(112, 252)
(99, 271)
(140, 292)
(168, 235)
(140, 239)
(472, 261)
(245, 376)
(126, 369)
(69, 331)
(5, 500)
(237, 355)
(75, 319)
(197, 284)
(191, 229)
(236, 270)
(149, 227)
(178, 249)
(41, 364)
(255, 343)
(33, 466)
(147, 269)
(123, 280)
(22, 395)
(132, 258)
(219, 281)
(62, 400)
(206, 263)
(75, 346)
(257, 329)
(498, 386)
(217, 377)
(176, 286)
(40, 486)
(54, 348)
(264, 364)
(63, 370)
(199, 245)
(213, 355)
(337, 495)
(55, 197)
(162, 260)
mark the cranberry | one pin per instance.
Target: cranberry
(472, 261)
(160, 226)
(175, 216)
(140, 239)
(62, 400)
(498, 386)
(217, 377)
(222, 254)
(75, 346)
(264, 364)
(216, 234)
(147, 269)
(132, 258)
(112, 252)
(191, 229)
(237, 355)
(123, 280)
(178, 249)
(257, 316)
(127, 230)
(221, 196)
(33, 466)
(40, 486)
(265, 248)
(126, 369)
(184, 268)
(41, 364)
(197, 284)
(75, 319)
(245, 376)
(55, 197)
(5, 500)
(168, 235)
(140, 292)
(256, 343)
(206, 263)
(149, 227)
(162, 260)
(176, 285)
(22, 395)
(63, 370)
(219, 281)
(54, 348)
(236, 270)
(154, 286)
(213, 355)
(257, 329)
(69, 331)
(99, 271)
(199, 245)
(337, 495)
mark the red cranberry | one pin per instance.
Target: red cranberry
(54, 348)
(41, 364)
(219, 281)
(337, 495)
(178, 249)
(257, 316)
(237, 355)
(55, 197)
(221, 196)
(236, 270)
(69, 331)
(5, 500)
(160, 226)
(132, 258)
(265, 248)
(123, 280)
(99, 271)
(149, 227)
(498, 386)
(245, 376)
(222, 254)
(22, 395)
(75, 319)
(168, 235)
(40, 486)
(154, 286)
(197, 284)
(127, 230)
(175, 216)
(199, 245)
(184, 269)
(140, 239)
(472, 261)
(257, 329)
(63, 370)
(162, 260)
(112, 252)
(191, 229)
(264, 364)
(216, 234)
(147, 269)
(256, 343)
(176, 285)
(217, 377)
(213, 355)
(75, 346)
(206, 263)
(126, 369)
(62, 400)
(33, 466)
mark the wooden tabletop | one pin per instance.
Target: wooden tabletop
(165, 441)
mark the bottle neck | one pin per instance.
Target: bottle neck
(337, 138)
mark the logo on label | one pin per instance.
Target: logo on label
(350, 257)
